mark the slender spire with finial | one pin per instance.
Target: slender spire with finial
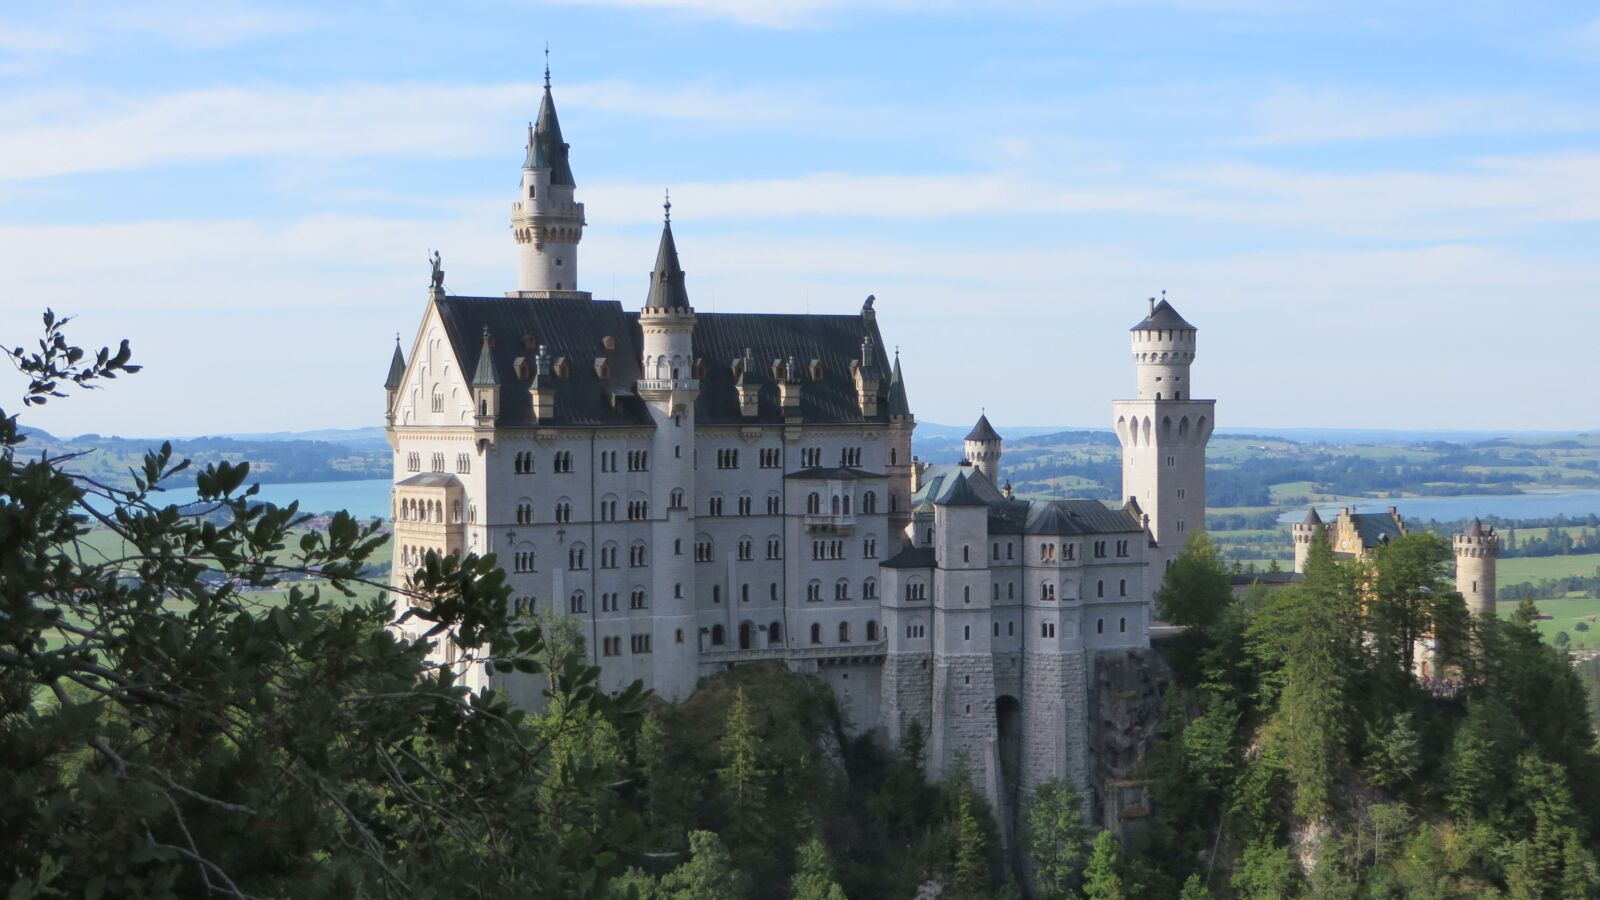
(547, 65)
(666, 282)
(666, 206)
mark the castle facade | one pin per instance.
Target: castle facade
(702, 490)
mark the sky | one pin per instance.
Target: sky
(1379, 215)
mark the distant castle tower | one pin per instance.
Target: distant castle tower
(1304, 532)
(546, 221)
(1164, 433)
(1476, 551)
(983, 448)
(669, 389)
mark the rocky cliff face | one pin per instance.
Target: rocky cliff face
(1127, 688)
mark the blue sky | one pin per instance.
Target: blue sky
(1379, 214)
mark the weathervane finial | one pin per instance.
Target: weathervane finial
(666, 206)
(547, 65)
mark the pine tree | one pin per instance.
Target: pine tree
(1057, 838)
(1194, 889)
(743, 776)
(709, 873)
(1196, 587)
(1102, 877)
(813, 876)
(971, 851)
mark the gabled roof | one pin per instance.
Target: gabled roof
(1071, 517)
(397, 368)
(963, 482)
(546, 149)
(1163, 318)
(827, 394)
(572, 327)
(1376, 529)
(983, 431)
(484, 376)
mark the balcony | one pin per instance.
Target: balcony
(668, 385)
(830, 523)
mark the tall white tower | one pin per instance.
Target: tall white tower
(545, 220)
(668, 388)
(1164, 432)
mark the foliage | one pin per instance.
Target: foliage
(1057, 838)
(813, 877)
(1102, 877)
(167, 734)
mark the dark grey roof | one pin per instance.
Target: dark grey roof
(983, 431)
(1376, 529)
(546, 149)
(834, 341)
(572, 327)
(667, 290)
(1163, 318)
(1312, 518)
(836, 473)
(938, 482)
(397, 368)
(1475, 528)
(1068, 517)
(898, 404)
(485, 376)
(959, 491)
(910, 557)
(430, 479)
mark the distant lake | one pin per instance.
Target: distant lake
(365, 499)
(370, 498)
(1538, 505)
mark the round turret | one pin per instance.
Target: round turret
(1476, 551)
(983, 448)
(1163, 348)
(1304, 532)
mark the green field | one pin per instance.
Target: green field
(1534, 568)
(1565, 616)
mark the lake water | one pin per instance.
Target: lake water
(370, 497)
(1539, 505)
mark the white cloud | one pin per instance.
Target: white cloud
(1302, 115)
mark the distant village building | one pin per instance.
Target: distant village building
(1351, 534)
(700, 490)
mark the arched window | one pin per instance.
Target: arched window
(718, 636)
(576, 604)
(1099, 588)
(816, 633)
(869, 502)
(813, 504)
(872, 631)
(1122, 588)
(844, 632)
(774, 634)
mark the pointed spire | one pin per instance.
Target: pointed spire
(667, 290)
(983, 431)
(397, 367)
(898, 404)
(1312, 518)
(546, 149)
(485, 376)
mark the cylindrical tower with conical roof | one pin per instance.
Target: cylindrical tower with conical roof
(983, 447)
(1305, 531)
(546, 220)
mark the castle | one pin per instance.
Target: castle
(1358, 535)
(701, 490)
